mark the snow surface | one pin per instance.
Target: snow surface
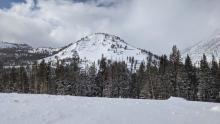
(48, 109)
(92, 47)
(210, 46)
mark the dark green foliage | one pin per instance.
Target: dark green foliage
(101, 78)
(205, 81)
(23, 85)
(189, 80)
(140, 79)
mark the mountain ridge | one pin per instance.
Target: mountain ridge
(17, 54)
(210, 47)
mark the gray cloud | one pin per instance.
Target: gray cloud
(151, 24)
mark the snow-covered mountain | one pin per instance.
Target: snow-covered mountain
(209, 47)
(91, 48)
(40, 50)
(14, 53)
(4, 45)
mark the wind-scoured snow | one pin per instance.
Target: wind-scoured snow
(209, 47)
(47, 109)
(91, 49)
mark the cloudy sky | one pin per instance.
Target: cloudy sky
(154, 25)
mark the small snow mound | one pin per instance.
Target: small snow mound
(176, 99)
(215, 108)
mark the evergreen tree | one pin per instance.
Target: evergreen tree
(152, 84)
(214, 74)
(140, 79)
(13, 78)
(23, 85)
(218, 84)
(175, 59)
(101, 77)
(49, 78)
(1, 77)
(42, 77)
(33, 78)
(205, 80)
(5, 80)
(163, 76)
(91, 84)
(190, 82)
(74, 76)
(120, 80)
(132, 86)
(59, 71)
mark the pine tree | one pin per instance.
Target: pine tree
(1, 75)
(1, 65)
(91, 84)
(163, 76)
(13, 78)
(151, 88)
(42, 77)
(74, 76)
(190, 80)
(121, 79)
(140, 79)
(101, 77)
(23, 85)
(59, 71)
(33, 79)
(175, 59)
(132, 86)
(214, 74)
(218, 84)
(49, 78)
(205, 80)
(5, 80)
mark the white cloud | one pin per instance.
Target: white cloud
(153, 25)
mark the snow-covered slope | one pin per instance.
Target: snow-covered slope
(14, 45)
(92, 47)
(209, 47)
(46, 109)
(40, 50)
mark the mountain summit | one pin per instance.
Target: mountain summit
(209, 47)
(91, 48)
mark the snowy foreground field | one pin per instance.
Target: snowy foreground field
(47, 109)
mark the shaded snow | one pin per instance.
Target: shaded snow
(47, 109)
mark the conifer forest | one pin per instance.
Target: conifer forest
(172, 76)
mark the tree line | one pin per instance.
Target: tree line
(171, 77)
